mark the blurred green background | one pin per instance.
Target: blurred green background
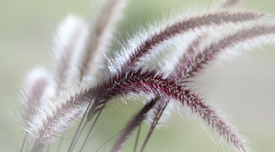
(243, 89)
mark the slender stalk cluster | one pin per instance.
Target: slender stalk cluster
(89, 74)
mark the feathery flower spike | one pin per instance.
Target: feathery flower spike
(70, 39)
(169, 31)
(110, 11)
(88, 74)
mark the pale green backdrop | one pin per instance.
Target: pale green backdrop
(243, 89)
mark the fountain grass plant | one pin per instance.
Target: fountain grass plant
(159, 62)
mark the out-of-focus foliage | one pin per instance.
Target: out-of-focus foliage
(26, 30)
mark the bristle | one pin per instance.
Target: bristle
(215, 121)
(101, 33)
(230, 3)
(190, 52)
(138, 49)
(70, 39)
(149, 82)
(240, 37)
(157, 62)
(156, 111)
(162, 104)
(131, 126)
(55, 116)
(38, 86)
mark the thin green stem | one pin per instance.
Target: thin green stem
(84, 143)
(153, 127)
(136, 143)
(74, 140)
(108, 140)
(23, 144)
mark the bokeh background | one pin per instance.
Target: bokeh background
(243, 88)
